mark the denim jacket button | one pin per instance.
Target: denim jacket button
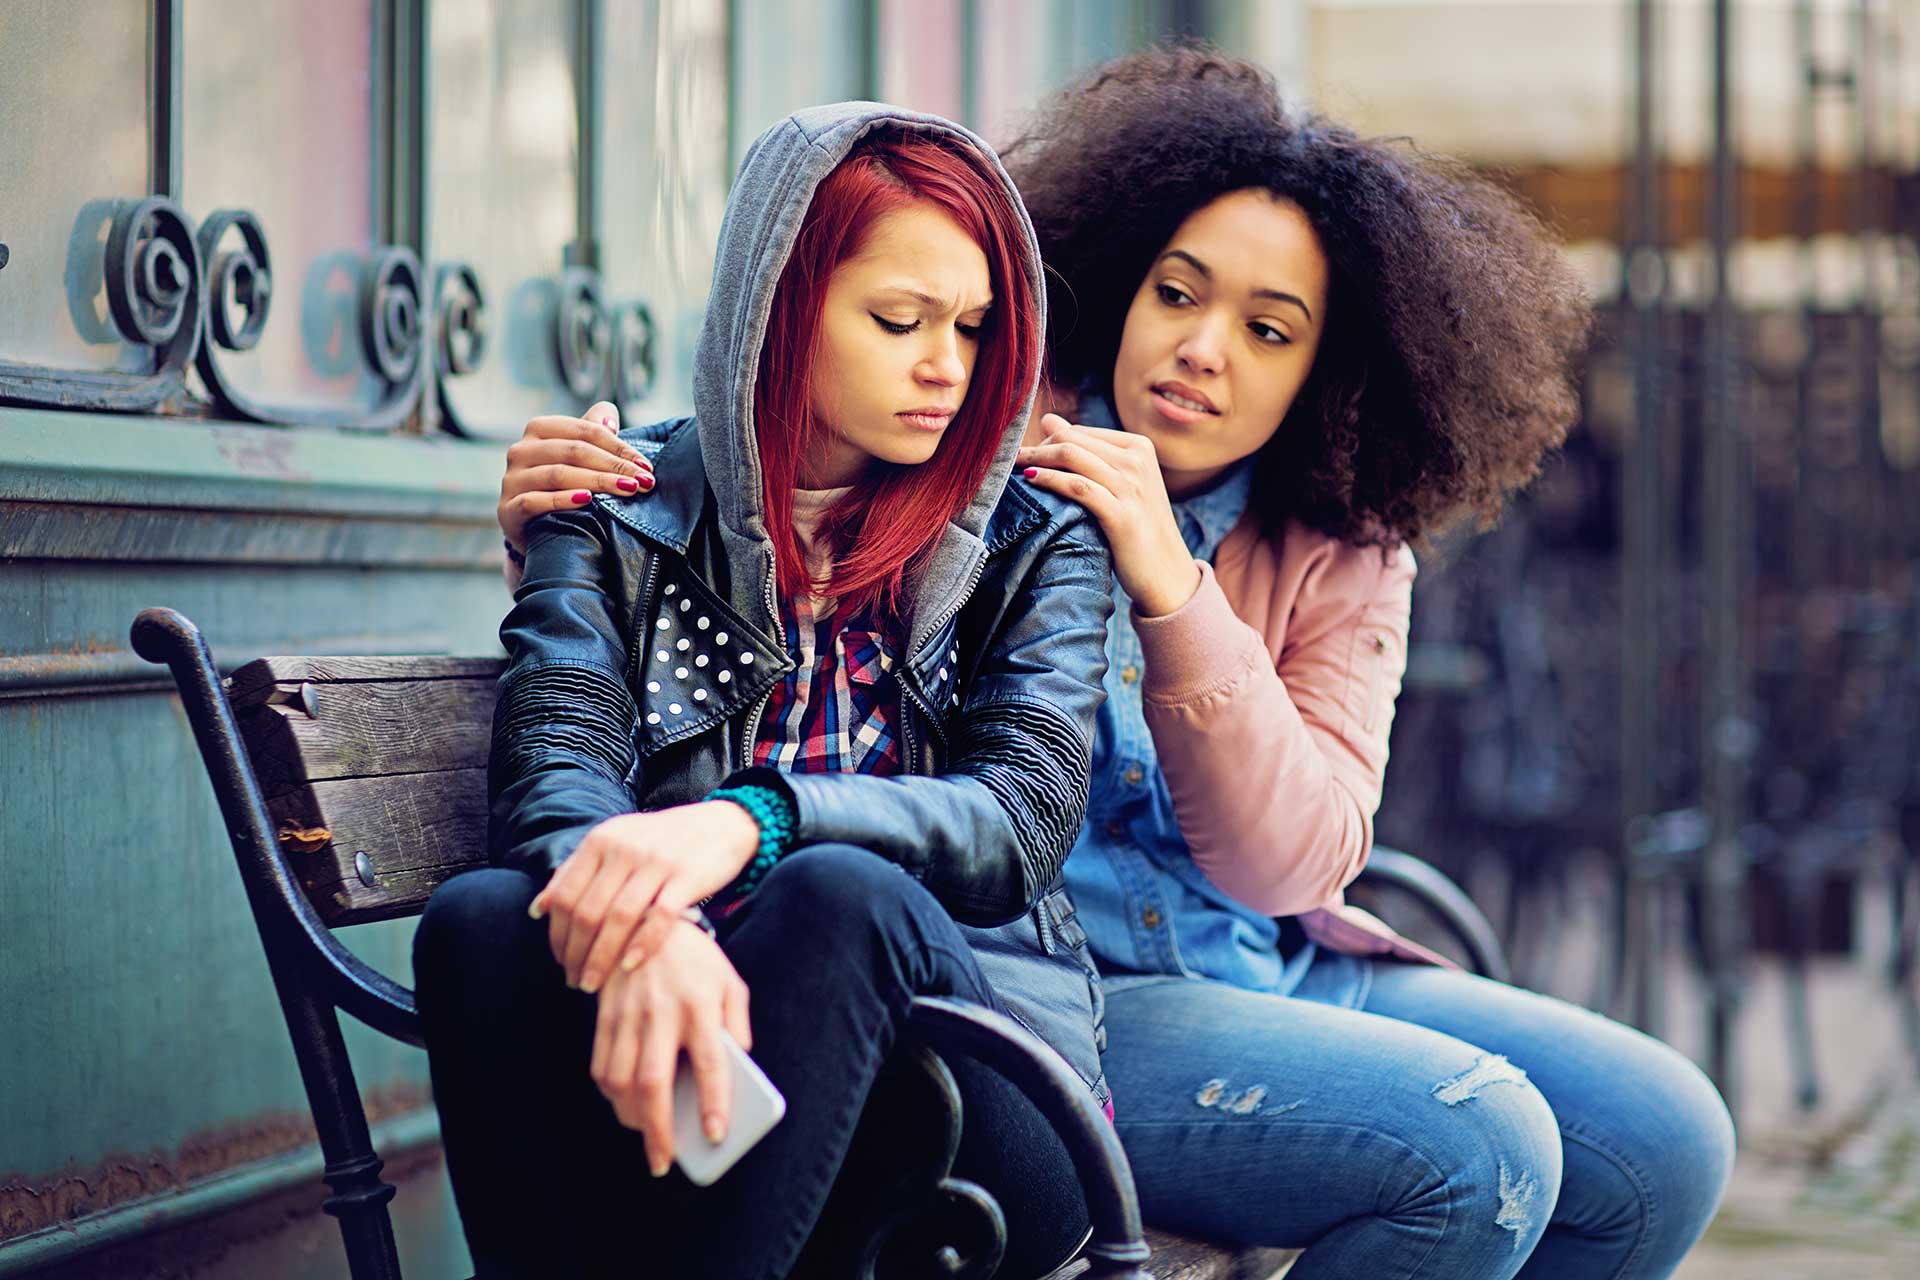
(1150, 918)
(1129, 673)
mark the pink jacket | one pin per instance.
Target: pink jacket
(1270, 697)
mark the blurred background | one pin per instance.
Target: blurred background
(278, 281)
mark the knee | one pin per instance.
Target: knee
(1680, 1138)
(860, 912)
(1499, 1145)
(842, 885)
(474, 928)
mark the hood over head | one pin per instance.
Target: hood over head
(769, 201)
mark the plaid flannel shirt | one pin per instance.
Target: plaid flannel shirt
(837, 711)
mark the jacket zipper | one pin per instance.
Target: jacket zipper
(750, 727)
(643, 616)
(933, 719)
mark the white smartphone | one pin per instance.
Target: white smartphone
(755, 1107)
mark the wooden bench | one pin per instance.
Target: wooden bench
(353, 787)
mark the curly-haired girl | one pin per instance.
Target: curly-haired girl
(1287, 353)
(1317, 348)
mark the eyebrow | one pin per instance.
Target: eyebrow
(1206, 273)
(938, 304)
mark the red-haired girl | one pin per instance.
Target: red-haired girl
(832, 679)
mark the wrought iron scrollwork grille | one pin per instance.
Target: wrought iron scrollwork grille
(177, 290)
(201, 298)
(154, 289)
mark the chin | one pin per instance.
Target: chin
(910, 452)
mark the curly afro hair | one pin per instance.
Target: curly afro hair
(1445, 372)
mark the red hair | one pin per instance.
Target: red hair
(892, 519)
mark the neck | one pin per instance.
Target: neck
(840, 466)
(1182, 485)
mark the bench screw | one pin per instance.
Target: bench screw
(309, 700)
(3, 255)
(363, 867)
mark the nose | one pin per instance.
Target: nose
(1203, 349)
(942, 365)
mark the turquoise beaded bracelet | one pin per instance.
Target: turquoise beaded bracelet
(774, 812)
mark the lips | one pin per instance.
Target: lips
(930, 418)
(1185, 397)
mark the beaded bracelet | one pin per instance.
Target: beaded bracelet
(514, 553)
(774, 812)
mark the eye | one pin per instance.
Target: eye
(891, 327)
(1172, 294)
(1267, 333)
(971, 332)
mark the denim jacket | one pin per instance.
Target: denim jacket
(644, 642)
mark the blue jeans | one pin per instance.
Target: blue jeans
(1449, 1126)
(833, 946)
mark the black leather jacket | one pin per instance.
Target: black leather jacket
(640, 661)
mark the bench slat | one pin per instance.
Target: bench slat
(370, 729)
(417, 831)
(1180, 1258)
(254, 683)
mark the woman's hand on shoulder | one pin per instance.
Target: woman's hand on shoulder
(687, 997)
(617, 898)
(1115, 475)
(558, 463)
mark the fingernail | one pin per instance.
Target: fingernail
(628, 484)
(715, 1131)
(646, 482)
(1031, 472)
(591, 985)
(630, 962)
(606, 419)
(535, 911)
(660, 1168)
(581, 497)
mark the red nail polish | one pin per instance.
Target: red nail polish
(1031, 472)
(582, 497)
(628, 484)
(646, 481)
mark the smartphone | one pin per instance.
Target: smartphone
(756, 1106)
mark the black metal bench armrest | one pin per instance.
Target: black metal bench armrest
(1448, 903)
(290, 929)
(1118, 1249)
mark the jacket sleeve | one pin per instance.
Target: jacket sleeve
(563, 756)
(988, 835)
(1276, 769)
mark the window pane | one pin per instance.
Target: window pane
(793, 56)
(278, 120)
(1017, 64)
(73, 99)
(920, 48)
(663, 187)
(505, 142)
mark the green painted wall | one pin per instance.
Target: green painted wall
(142, 1026)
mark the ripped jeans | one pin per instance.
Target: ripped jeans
(1445, 1126)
